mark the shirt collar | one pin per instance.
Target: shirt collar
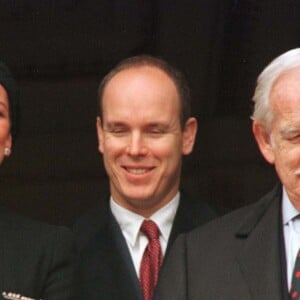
(165, 216)
(289, 211)
(130, 222)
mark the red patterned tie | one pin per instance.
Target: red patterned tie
(152, 259)
(295, 288)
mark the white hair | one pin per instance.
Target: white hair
(265, 81)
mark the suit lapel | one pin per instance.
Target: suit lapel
(260, 255)
(107, 270)
(130, 284)
(183, 221)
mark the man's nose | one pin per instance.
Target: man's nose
(136, 145)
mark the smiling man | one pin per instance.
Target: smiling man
(144, 128)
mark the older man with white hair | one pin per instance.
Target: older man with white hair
(252, 253)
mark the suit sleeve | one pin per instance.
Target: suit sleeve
(59, 282)
(172, 283)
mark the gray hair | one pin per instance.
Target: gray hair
(265, 81)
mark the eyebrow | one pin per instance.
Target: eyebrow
(115, 123)
(151, 124)
(157, 124)
(289, 130)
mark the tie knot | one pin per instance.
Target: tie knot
(150, 229)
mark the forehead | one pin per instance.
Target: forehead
(142, 83)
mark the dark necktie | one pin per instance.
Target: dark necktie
(152, 259)
(295, 288)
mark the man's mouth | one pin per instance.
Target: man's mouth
(138, 171)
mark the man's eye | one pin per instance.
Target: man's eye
(118, 130)
(295, 137)
(156, 131)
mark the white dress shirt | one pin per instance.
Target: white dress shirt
(291, 231)
(131, 222)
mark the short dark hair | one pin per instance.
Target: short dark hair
(12, 90)
(175, 75)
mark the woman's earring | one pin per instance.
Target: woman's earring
(7, 151)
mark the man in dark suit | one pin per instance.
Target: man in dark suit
(36, 260)
(144, 127)
(251, 253)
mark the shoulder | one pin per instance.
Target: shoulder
(241, 220)
(14, 222)
(18, 225)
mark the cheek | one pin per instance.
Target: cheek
(293, 162)
(112, 145)
(112, 151)
(287, 160)
(168, 152)
(4, 132)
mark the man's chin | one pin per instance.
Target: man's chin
(141, 202)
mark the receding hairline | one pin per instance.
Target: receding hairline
(176, 76)
(138, 72)
(144, 65)
(285, 75)
(138, 67)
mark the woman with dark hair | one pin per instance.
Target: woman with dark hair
(36, 260)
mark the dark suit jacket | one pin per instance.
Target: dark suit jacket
(36, 260)
(239, 256)
(106, 269)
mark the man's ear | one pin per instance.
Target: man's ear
(189, 136)
(99, 134)
(263, 139)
